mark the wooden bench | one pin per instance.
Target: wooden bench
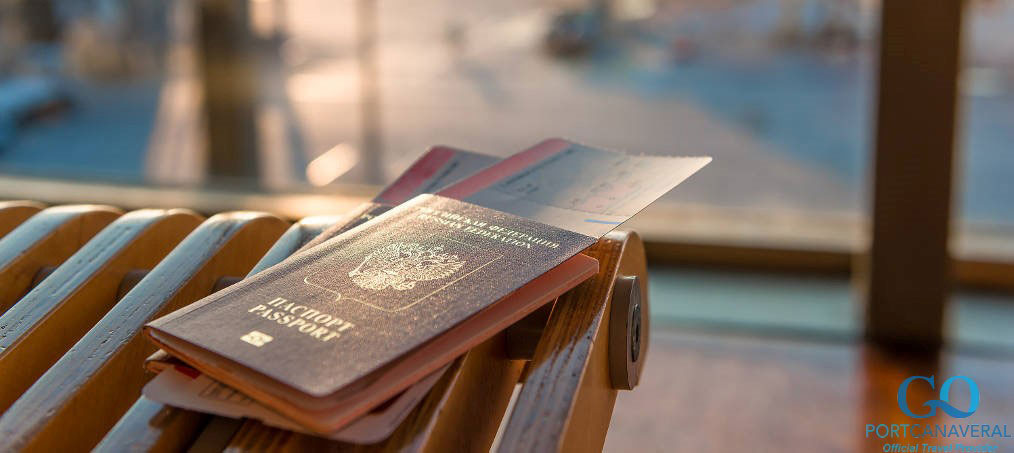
(79, 282)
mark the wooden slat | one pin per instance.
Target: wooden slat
(254, 436)
(461, 413)
(470, 411)
(298, 235)
(152, 426)
(567, 399)
(13, 213)
(38, 329)
(76, 402)
(524, 336)
(465, 414)
(46, 239)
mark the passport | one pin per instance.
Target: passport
(344, 325)
(182, 386)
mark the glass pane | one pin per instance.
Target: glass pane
(986, 189)
(80, 86)
(778, 91)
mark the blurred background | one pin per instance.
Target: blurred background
(756, 261)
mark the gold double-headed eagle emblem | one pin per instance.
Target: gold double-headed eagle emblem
(400, 265)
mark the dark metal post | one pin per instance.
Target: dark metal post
(909, 274)
(229, 86)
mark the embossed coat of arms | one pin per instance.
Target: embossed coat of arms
(400, 265)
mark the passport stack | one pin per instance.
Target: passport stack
(343, 338)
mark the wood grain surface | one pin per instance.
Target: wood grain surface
(461, 413)
(153, 426)
(567, 399)
(297, 236)
(46, 239)
(75, 402)
(13, 213)
(40, 328)
(150, 426)
(465, 410)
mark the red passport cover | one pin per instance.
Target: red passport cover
(333, 315)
